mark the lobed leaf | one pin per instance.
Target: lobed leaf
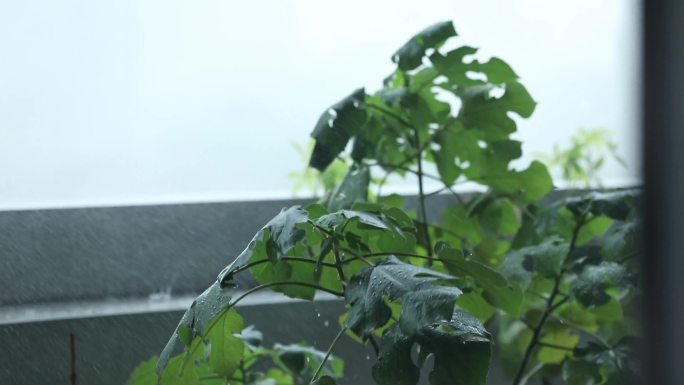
(335, 127)
(410, 55)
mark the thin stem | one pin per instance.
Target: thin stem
(381, 254)
(326, 232)
(550, 307)
(421, 196)
(327, 354)
(374, 344)
(264, 286)
(294, 259)
(559, 303)
(407, 169)
(354, 257)
(338, 264)
(536, 333)
(284, 283)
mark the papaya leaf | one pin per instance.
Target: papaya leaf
(410, 55)
(335, 127)
(618, 205)
(278, 236)
(297, 358)
(226, 349)
(395, 366)
(196, 319)
(176, 373)
(591, 285)
(391, 279)
(619, 362)
(545, 258)
(481, 111)
(353, 188)
(461, 348)
(581, 372)
(145, 373)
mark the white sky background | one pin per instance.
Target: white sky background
(126, 102)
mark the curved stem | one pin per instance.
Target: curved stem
(294, 259)
(381, 254)
(355, 257)
(284, 283)
(327, 354)
(264, 286)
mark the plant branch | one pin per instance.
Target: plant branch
(421, 195)
(354, 257)
(293, 259)
(391, 114)
(264, 286)
(338, 264)
(550, 307)
(382, 254)
(327, 354)
(374, 344)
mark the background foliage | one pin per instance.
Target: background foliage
(549, 286)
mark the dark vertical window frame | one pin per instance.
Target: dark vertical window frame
(663, 165)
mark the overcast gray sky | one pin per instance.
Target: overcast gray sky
(128, 102)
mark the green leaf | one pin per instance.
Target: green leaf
(410, 55)
(453, 142)
(581, 372)
(145, 373)
(618, 205)
(619, 362)
(297, 358)
(498, 71)
(226, 349)
(353, 188)
(481, 111)
(177, 373)
(545, 258)
(535, 182)
(391, 279)
(335, 127)
(594, 228)
(457, 265)
(591, 285)
(427, 305)
(395, 366)
(453, 66)
(461, 348)
(618, 237)
(392, 200)
(474, 304)
(556, 335)
(278, 237)
(195, 320)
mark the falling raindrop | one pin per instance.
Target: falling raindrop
(326, 323)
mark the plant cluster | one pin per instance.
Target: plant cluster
(551, 288)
